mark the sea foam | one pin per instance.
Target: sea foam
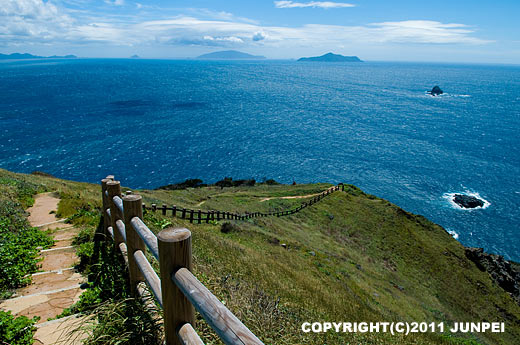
(453, 234)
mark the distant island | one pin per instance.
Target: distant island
(135, 56)
(330, 57)
(230, 55)
(19, 56)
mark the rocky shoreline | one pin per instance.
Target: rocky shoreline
(503, 272)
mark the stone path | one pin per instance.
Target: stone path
(57, 286)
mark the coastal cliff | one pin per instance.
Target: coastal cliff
(349, 257)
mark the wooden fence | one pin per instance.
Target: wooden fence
(199, 216)
(175, 289)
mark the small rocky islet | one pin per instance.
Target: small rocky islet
(436, 91)
(467, 201)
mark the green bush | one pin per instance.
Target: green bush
(229, 182)
(18, 243)
(16, 330)
(189, 183)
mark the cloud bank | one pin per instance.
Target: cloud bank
(29, 22)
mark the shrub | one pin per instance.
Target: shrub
(189, 183)
(16, 330)
(228, 182)
(227, 227)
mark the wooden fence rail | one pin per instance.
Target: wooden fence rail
(199, 216)
(176, 289)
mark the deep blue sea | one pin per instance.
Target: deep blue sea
(155, 122)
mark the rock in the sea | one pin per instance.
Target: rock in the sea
(467, 201)
(436, 91)
(505, 273)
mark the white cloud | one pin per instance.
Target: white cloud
(116, 2)
(31, 19)
(218, 15)
(426, 31)
(259, 36)
(231, 39)
(321, 4)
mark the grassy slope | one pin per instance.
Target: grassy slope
(351, 257)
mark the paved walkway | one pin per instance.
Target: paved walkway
(56, 287)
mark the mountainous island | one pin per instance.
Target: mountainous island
(331, 57)
(230, 55)
(20, 56)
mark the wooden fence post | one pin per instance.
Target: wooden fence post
(106, 205)
(114, 189)
(174, 211)
(191, 216)
(164, 209)
(174, 253)
(183, 216)
(199, 216)
(132, 207)
(154, 207)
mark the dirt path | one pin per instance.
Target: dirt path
(57, 286)
(290, 197)
(274, 197)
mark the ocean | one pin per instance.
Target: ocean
(372, 124)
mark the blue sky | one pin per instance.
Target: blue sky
(434, 30)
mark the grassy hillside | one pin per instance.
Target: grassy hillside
(350, 257)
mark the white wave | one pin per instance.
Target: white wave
(446, 95)
(453, 234)
(450, 196)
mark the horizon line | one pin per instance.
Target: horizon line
(186, 58)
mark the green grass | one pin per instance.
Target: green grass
(350, 257)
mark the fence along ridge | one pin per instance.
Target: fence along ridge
(176, 289)
(211, 215)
